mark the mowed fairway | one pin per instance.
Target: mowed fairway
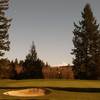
(59, 89)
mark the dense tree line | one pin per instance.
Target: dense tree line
(6, 69)
(61, 72)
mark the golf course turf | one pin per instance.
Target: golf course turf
(58, 89)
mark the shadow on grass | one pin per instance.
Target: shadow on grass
(93, 90)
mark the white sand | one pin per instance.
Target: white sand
(26, 92)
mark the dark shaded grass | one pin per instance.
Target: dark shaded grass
(78, 89)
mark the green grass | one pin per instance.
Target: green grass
(54, 94)
(50, 83)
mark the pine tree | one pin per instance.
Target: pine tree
(86, 42)
(4, 26)
(30, 60)
(32, 56)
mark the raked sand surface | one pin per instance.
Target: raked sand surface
(26, 92)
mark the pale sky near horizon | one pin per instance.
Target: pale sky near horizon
(49, 23)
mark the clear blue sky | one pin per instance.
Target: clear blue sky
(50, 24)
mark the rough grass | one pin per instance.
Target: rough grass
(59, 89)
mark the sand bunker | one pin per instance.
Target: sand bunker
(27, 92)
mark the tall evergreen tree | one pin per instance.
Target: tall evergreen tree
(4, 26)
(32, 56)
(86, 42)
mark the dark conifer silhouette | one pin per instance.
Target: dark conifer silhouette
(33, 65)
(32, 53)
(86, 42)
(4, 26)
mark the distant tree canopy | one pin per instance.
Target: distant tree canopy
(86, 42)
(4, 26)
(6, 69)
